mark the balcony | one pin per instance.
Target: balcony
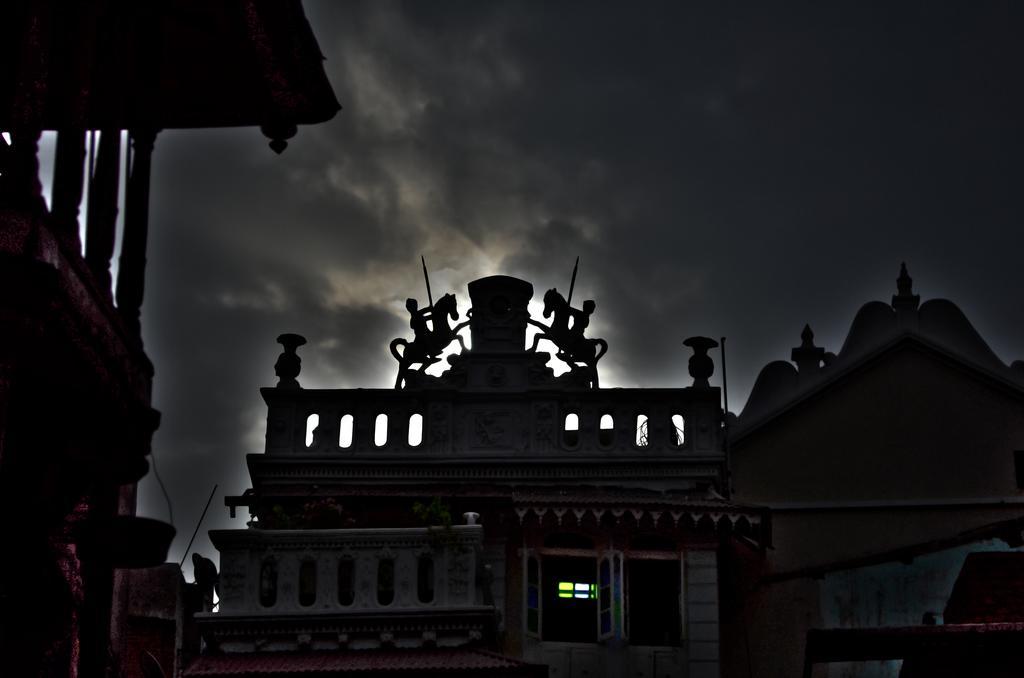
(349, 588)
(608, 422)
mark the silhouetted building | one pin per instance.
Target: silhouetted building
(883, 465)
(982, 635)
(591, 519)
(75, 383)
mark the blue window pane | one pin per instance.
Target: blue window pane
(532, 598)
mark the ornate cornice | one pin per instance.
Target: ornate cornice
(264, 468)
(341, 539)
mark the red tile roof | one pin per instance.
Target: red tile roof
(413, 662)
(990, 588)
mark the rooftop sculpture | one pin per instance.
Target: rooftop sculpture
(498, 320)
(428, 343)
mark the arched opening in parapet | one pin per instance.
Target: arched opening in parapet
(385, 581)
(606, 432)
(307, 583)
(641, 430)
(679, 430)
(268, 583)
(345, 431)
(571, 430)
(346, 582)
(312, 421)
(425, 579)
(380, 430)
(415, 430)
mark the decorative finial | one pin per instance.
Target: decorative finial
(905, 299)
(701, 365)
(279, 132)
(289, 364)
(904, 283)
(807, 356)
(807, 337)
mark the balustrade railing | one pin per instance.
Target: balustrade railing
(625, 421)
(276, 572)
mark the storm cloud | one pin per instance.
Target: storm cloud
(725, 169)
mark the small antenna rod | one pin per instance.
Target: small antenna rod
(725, 384)
(196, 531)
(725, 422)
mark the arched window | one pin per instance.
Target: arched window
(641, 430)
(679, 430)
(312, 421)
(268, 583)
(385, 581)
(415, 430)
(345, 431)
(307, 583)
(571, 430)
(425, 579)
(606, 432)
(380, 430)
(346, 582)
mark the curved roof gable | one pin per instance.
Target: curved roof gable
(876, 327)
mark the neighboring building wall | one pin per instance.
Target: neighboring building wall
(895, 443)
(908, 426)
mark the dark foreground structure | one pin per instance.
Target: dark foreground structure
(615, 532)
(75, 382)
(496, 517)
(884, 464)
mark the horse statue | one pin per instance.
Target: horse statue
(427, 344)
(572, 346)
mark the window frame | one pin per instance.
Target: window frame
(618, 601)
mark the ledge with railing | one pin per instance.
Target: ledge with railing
(605, 422)
(357, 587)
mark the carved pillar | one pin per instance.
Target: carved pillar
(131, 275)
(101, 219)
(68, 173)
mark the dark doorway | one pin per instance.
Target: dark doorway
(654, 602)
(570, 599)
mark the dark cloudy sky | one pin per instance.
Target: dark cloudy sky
(720, 168)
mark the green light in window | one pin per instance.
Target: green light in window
(568, 589)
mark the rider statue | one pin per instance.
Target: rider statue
(572, 346)
(418, 319)
(429, 341)
(580, 321)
